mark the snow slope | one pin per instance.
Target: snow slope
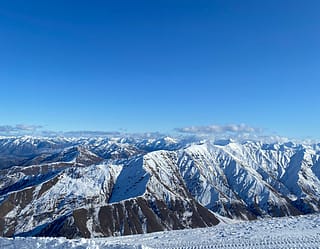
(290, 232)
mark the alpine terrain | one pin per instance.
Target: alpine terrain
(123, 185)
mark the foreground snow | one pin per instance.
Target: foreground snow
(289, 232)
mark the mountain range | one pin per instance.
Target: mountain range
(97, 187)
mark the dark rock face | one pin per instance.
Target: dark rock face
(133, 216)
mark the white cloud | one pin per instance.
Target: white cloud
(26, 129)
(18, 129)
(236, 132)
(219, 129)
(89, 133)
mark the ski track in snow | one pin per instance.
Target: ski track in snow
(289, 232)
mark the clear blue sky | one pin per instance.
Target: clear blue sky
(158, 65)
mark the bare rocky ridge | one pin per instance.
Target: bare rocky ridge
(108, 187)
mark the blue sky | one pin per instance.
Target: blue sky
(159, 65)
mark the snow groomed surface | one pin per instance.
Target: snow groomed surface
(290, 232)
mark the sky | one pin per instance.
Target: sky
(165, 66)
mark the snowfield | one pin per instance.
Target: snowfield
(288, 232)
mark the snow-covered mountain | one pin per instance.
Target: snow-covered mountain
(95, 187)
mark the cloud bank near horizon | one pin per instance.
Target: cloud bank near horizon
(38, 130)
(238, 132)
(211, 130)
(18, 129)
